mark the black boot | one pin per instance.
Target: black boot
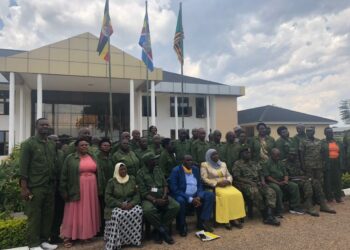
(157, 237)
(270, 219)
(166, 237)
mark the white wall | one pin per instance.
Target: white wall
(165, 123)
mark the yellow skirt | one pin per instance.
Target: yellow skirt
(229, 204)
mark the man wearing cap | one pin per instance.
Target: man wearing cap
(250, 180)
(310, 153)
(158, 208)
(311, 188)
(186, 188)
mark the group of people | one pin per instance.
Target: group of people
(95, 187)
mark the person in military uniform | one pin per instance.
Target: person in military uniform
(116, 145)
(277, 178)
(158, 208)
(128, 157)
(156, 145)
(261, 144)
(310, 153)
(143, 149)
(250, 180)
(283, 143)
(37, 181)
(193, 139)
(230, 150)
(59, 202)
(199, 147)
(346, 145)
(300, 136)
(83, 133)
(167, 160)
(332, 158)
(216, 142)
(268, 133)
(182, 146)
(135, 141)
(309, 187)
(152, 131)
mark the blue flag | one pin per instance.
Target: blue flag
(145, 43)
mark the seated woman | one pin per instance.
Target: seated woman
(82, 181)
(229, 200)
(123, 214)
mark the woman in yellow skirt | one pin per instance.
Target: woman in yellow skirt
(229, 200)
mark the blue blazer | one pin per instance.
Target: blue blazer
(178, 182)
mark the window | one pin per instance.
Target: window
(201, 107)
(185, 105)
(4, 102)
(144, 105)
(4, 138)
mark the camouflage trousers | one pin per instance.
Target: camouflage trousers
(260, 196)
(311, 189)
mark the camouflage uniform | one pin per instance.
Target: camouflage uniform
(311, 150)
(257, 149)
(261, 196)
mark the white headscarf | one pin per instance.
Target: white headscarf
(116, 175)
(208, 159)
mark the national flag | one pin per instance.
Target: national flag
(106, 32)
(12, 3)
(1, 24)
(179, 37)
(145, 43)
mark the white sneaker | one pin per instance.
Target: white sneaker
(48, 246)
(36, 248)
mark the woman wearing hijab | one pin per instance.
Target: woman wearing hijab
(82, 181)
(229, 200)
(123, 214)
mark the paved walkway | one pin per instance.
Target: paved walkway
(296, 232)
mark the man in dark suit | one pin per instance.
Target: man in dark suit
(187, 190)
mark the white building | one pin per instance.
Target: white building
(67, 82)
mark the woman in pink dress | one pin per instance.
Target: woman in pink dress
(81, 183)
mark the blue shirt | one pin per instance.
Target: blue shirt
(191, 186)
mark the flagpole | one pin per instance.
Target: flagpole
(182, 95)
(147, 81)
(110, 91)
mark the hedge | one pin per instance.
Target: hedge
(13, 233)
(345, 179)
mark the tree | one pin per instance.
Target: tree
(345, 110)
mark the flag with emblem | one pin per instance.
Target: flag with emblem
(179, 37)
(106, 32)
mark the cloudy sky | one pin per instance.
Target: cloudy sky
(293, 54)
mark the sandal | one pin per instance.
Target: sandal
(67, 243)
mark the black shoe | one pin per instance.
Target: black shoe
(206, 227)
(271, 221)
(157, 237)
(56, 240)
(228, 226)
(183, 231)
(237, 224)
(166, 237)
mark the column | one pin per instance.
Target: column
(39, 96)
(132, 106)
(21, 113)
(176, 117)
(12, 112)
(153, 104)
(208, 114)
(140, 112)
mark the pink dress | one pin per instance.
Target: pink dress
(82, 218)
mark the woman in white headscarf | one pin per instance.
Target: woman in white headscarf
(229, 200)
(123, 214)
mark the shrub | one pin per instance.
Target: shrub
(345, 179)
(10, 198)
(13, 233)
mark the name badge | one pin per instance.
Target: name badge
(154, 190)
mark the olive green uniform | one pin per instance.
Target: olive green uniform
(218, 147)
(134, 145)
(106, 163)
(332, 170)
(116, 193)
(261, 196)
(198, 151)
(37, 166)
(277, 171)
(167, 162)
(256, 147)
(346, 144)
(155, 150)
(230, 154)
(283, 145)
(130, 159)
(182, 148)
(153, 183)
(311, 150)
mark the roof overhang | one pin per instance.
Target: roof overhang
(288, 123)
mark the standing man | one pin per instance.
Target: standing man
(182, 146)
(199, 147)
(159, 209)
(230, 150)
(346, 143)
(299, 137)
(135, 141)
(216, 143)
(167, 159)
(283, 143)
(310, 152)
(83, 133)
(37, 180)
(332, 158)
(193, 139)
(262, 144)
